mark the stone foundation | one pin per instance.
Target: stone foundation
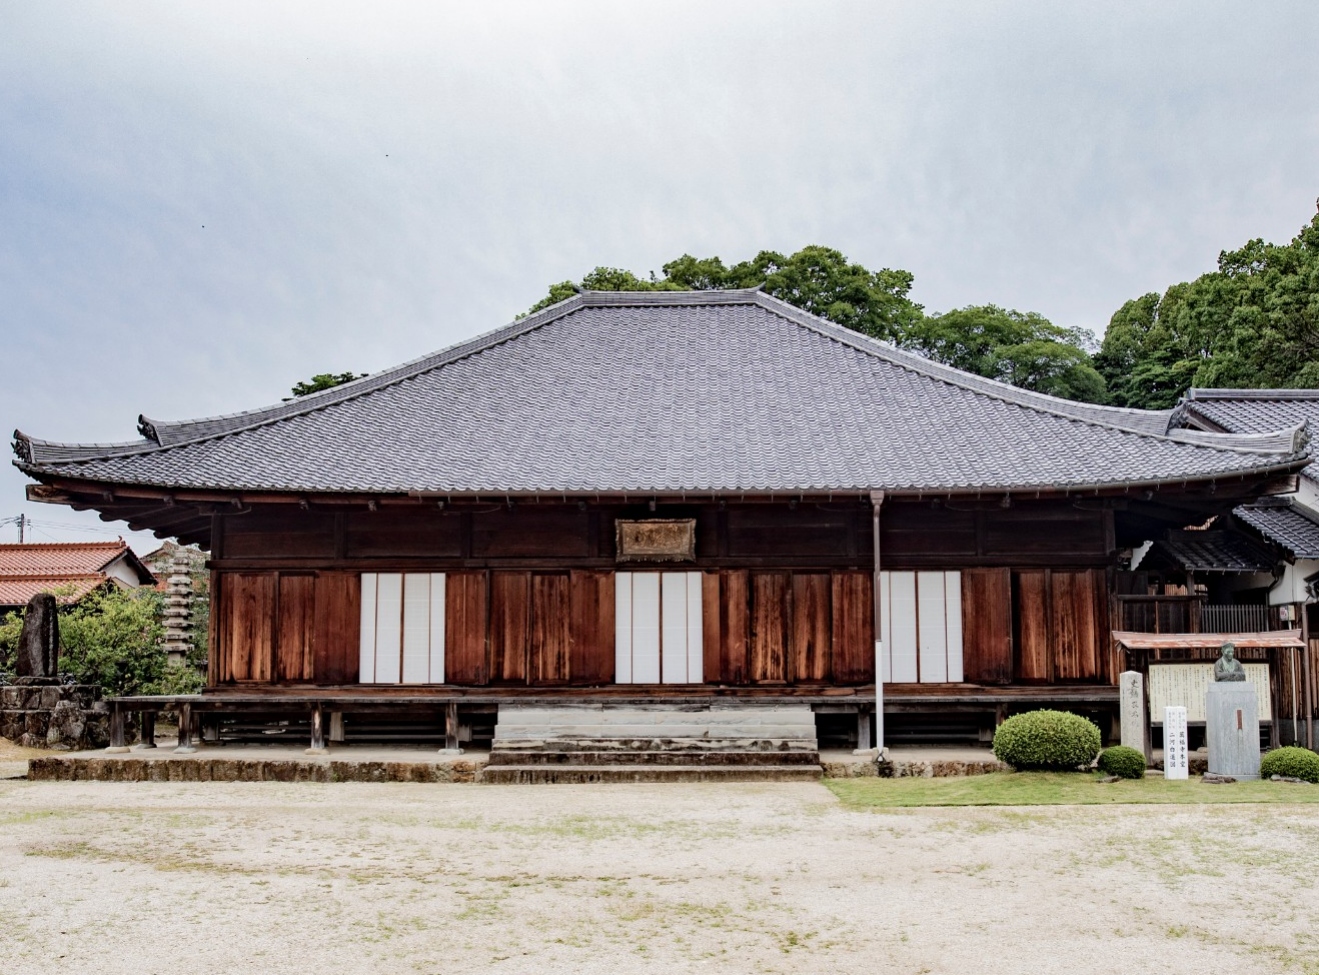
(39, 713)
(939, 768)
(194, 769)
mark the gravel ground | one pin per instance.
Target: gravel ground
(268, 878)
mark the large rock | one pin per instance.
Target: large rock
(39, 644)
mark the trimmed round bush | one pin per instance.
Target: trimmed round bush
(1123, 761)
(1052, 741)
(1291, 762)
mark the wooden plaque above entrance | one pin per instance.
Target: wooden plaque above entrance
(656, 540)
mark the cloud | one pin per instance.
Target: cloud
(204, 204)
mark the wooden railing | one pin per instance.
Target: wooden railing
(1189, 614)
(1235, 619)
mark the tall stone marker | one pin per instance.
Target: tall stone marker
(39, 643)
(1176, 760)
(1132, 711)
(1232, 719)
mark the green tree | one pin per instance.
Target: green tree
(111, 638)
(1021, 348)
(819, 280)
(324, 380)
(1254, 322)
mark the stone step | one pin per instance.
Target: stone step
(579, 774)
(699, 745)
(560, 758)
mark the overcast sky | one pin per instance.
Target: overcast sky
(202, 203)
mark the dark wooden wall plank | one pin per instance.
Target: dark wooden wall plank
(250, 630)
(296, 629)
(853, 628)
(712, 635)
(812, 624)
(275, 533)
(551, 610)
(734, 625)
(1077, 634)
(592, 658)
(1032, 625)
(381, 534)
(338, 628)
(770, 636)
(987, 625)
(466, 598)
(510, 626)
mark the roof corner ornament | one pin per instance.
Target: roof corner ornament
(147, 428)
(1301, 437)
(22, 447)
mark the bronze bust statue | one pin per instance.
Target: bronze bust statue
(1228, 667)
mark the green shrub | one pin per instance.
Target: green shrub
(1291, 762)
(1123, 761)
(1049, 740)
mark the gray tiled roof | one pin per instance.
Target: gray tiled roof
(1251, 411)
(1288, 526)
(1214, 551)
(669, 392)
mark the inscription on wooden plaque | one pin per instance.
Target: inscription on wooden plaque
(656, 540)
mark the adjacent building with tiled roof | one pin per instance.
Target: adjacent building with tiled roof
(68, 569)
(1291, 523)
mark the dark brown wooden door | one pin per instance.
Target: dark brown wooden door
(295, 627)
(770, 632)
(1061, 624)
(812, 625)
(510, 626)
(592, 656)
(338, 627)
(987, 625)
(550, 649)
(466, 601)
(246, 640)
(853, 628)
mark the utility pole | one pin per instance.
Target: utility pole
(22, 523)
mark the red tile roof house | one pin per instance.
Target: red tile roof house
(662, 516)
(69, 569)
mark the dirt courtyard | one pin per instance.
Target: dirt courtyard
(267, 878)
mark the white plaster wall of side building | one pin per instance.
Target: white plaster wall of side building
(1291, 587)
(121, 573)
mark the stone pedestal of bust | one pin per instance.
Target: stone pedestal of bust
(1232, 729)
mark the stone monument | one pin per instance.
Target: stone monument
(39, 643)
(1176, 757)
(1132, 711)
(37, 711)
(1232, 719)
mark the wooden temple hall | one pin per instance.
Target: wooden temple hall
(696, 515)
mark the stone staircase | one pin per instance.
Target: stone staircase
(654, 743)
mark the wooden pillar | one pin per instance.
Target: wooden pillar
(117, 745)
(451, 730)
(336, 726)
(148, 730)
(862, 729)
(185, 745)
(317, 746)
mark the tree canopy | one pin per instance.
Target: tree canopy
(1021, 348)
(324, 380)
(1254, 322)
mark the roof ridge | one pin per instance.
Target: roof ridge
(1254, 393)
(1093, 413)
(27, 546)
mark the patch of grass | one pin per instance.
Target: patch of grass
(1055, 789)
